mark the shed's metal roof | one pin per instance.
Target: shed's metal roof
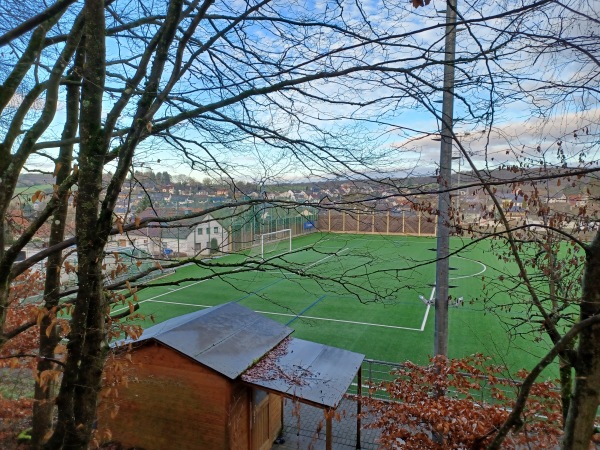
(231, 339)
(227, 338)
(309, 371)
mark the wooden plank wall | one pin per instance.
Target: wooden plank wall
(173, 402)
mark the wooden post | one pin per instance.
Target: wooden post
(329, 219)
(373, 223)
(403, 222)
(387, 227)
(344, 221)
(358, 407)
(282, 409)
(328, 434)
(251, 421)
(357, 223)
(419, 217)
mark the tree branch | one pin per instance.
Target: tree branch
(514, 417)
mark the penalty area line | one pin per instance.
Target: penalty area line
(162, 295)
(395, 327)
(326, 258)
(431, 297)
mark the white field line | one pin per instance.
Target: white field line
(162, 295)
(342, 321)
(432, 296)
(195, 305)
(316, 262)
(473, 275)
(295, 315)
(325, 258)
(171, 290)
(310, 245)
(423, 323)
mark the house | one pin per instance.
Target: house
(575, 198)
(301, 196)
(18, 221)
(199, 236)
(185, 237)
(215, 379)
(559, 197)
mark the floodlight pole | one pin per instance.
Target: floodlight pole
(440, 346)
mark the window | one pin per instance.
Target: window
(215, 230)
(207, 230)
(199, 231)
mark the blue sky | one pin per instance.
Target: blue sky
(398, 128)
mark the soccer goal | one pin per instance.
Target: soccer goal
(272, 244)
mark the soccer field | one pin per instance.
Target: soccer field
(357, 292)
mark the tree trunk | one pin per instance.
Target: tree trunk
(83, 369)
(566, 382)
(43, 408)
(586, 396)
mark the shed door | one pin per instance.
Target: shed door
(260, 421)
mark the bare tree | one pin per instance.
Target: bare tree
(260, 88)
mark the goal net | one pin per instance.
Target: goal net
(273, 244)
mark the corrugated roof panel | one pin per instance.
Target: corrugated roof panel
(243, 348)
(312, 372)
(194, 337)
(163, 327)
(227, 338)
(230, 339)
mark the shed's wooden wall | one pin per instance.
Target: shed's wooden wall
(266, 421)
(239, 418)
(172, 402)
(276, 413)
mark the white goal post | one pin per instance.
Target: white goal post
(274, 243)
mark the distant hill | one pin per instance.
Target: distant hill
(34, 179)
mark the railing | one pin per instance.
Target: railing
(375, 372)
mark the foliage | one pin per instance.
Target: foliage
(17, 358)
(19, 312)
(256, 90)
(460, 403)
(14, 415)
(214, 245)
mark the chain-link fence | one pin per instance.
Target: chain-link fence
(250, 223)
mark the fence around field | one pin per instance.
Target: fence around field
(246, 230)
(378, 222)
(375, 372)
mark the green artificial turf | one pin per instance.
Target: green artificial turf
(361, 293)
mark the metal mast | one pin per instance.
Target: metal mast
(445, 174)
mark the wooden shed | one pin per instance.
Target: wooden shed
(215, 379)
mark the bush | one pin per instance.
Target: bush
(214, 245)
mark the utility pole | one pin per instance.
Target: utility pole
(440, 346)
